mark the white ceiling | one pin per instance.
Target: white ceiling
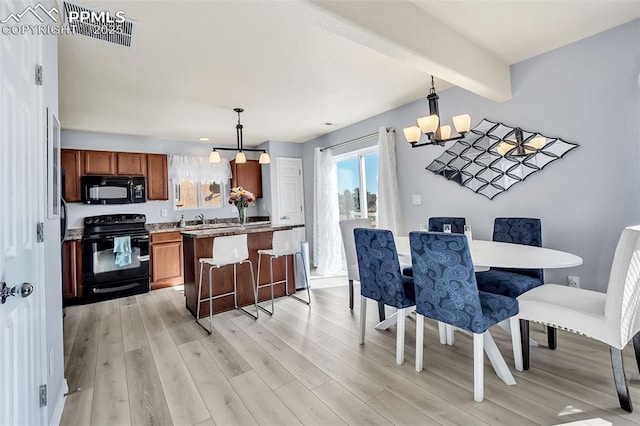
(294, 65)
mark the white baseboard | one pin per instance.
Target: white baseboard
(57, 413)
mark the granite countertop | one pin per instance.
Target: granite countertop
(73, 234)
(216, 229)
(250, 228)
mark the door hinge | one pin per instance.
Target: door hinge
(40, 232)
(43, 396)
(39, 75)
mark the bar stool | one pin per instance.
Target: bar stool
(230, 250)
(284, 243)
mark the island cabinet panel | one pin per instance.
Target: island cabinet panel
(195, 248)
(132, 164)
(99, 163)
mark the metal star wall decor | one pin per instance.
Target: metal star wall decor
(493, 157)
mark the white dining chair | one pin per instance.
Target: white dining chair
(612, 318)
(346, 229)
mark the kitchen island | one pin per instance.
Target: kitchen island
(198, 243)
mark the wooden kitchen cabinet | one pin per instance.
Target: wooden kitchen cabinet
(157, 177)
(72, 270)
(247, 175)
(132, 164)
(166, 259)
(99, 163)
(71, 162)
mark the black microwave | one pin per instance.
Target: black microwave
(113, 189)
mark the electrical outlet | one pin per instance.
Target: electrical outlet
(573, 281)
(416, 200)
(163, 212)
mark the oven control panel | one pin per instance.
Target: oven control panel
(112, 219)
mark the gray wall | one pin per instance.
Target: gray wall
(152, 209)
(586, 92)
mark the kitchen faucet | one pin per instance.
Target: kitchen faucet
(200, 217)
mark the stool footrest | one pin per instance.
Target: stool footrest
(263, 285)
(206, 299)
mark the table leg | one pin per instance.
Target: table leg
(498, 363)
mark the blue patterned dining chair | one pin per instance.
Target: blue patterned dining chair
(435, 225)
(446, 291)
(381, 280)
(457, 224)
(514, 282)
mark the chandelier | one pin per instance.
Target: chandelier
(430, 125)
(214, 157)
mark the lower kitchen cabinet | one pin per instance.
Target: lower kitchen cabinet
(166, 259)
(72, 270)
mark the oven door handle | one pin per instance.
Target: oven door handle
(144, 258)
(111, 237)
(114, 289)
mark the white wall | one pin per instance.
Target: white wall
(53, 273)
(586, 92)
(152, 209)
(269, 172)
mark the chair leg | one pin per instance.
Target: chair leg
(636, 348)
(442, 330)
(478, 367)
(253, 284)
(450, 334)
(292, 295)
(621, 381)
(363, 317)
(552, 337)
(381, 312)
(516, 342)
(420, 341)
(351, 294)
(400, 336)
(524, 343)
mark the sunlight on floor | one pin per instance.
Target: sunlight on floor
(588, 422)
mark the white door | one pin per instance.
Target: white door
(289, 191)
(22, 150)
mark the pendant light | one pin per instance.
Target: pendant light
(240, 158)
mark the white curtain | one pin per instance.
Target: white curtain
(327, 241)
(389, 207)
(198, 169)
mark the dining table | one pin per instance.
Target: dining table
(488, 254)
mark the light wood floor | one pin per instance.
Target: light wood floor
(142, 360)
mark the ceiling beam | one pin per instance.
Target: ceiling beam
(404, 31)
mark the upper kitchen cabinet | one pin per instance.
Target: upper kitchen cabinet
(157, 177)
(71, 162)
(132, 164)
(99, 163)
(247, 175)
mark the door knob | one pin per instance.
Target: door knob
(23, 290)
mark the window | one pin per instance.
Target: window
(358, 174)
(190, 195)
(188, 175)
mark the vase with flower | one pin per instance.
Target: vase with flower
(241, 198)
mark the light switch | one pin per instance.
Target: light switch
(163, 212)
(416, 200)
